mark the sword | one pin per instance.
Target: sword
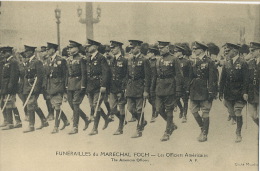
(34, 83)
(8, 96)
(142, 113)
(125, 122)
(246, 112)
(95, 112)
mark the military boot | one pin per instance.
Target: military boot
(73, 131)
(9, 118)
(18, 125)
(153, 119)
(138, 133)
(133, 119)
(95, 127)
(204, 134)
(106, 119)
(44, 123)
(119, 131)
(18, 121)
(29, 129)
(50, 116)
(185, 111)
(238, 130)
(233, 120)
(55, 130)
(5, 119)
(85, 118)
(169, 129)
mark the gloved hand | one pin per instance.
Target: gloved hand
(65, 97)
(145, 94)
(211, 97)
(103, 89)
(245, 97)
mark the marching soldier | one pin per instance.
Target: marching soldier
(75, 85)
(152, 55)
(97, 75)
(234, 85)
(254, 81)
(138, 85)
(118, 67)
(202, 89)
(168, 70)
(46, 61)
(33, 82)
(183, 90)
(9, 81)
(55, 84)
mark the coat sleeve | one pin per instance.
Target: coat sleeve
(212, 77)
(40, 75)
(147, 72)
(178, 76)
(14, 77)
(64, 72)
(245, 78)
(223, 79)
(83, 73)
(105, 72)
(124, 81)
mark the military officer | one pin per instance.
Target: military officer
(76, 85)
(167, 72)
(118, 67)
(55, 84)
(152, 55)
(9, 82)
(254, 81)
(138, 85)
(46, 61)
(183, 90)
(33, 69)
(202, 88)
(97, 76)
(234, 85)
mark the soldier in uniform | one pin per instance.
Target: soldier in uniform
(167, 72)
(152, 55)
(9, 81)
(254, 81)
(118, 67)
(183, 90)
(202, 89)
(46, 61)
(33, 69)
(97, 76)
(234, 85)
(76, 84)
(138, 85)
(55, 84)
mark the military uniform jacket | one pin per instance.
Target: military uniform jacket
(33, 69)
(167, 71)
(10, 76)
(118, 69)
(138, 76)
(153, 61)
(75, 77)
(1, 68)
(202, 79)
(254, 81)
(46, 63)
(234, 79)
(186, 70)
(56, 75)
(97, 73)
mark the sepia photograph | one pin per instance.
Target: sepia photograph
(129, 85)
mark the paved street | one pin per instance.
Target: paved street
(42, 151)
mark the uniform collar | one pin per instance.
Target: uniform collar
(118, 56)
(201, 56)
(93, 55)
(31, 58)
(8, 59)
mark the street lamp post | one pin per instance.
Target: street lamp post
(58, 15)
(89, 20)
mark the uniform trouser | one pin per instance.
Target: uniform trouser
(106, 102)
(205, 107)
(32, 107)
(75, 98)
(135, 105)
(151, 100)
(95, 105)
(234, 107)
(253, 109)
(47, 99)
(56, 101)
(23, 99)
(4, 111)
(11, 108)
(185, 105)
(165, 106)
(117, 104)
